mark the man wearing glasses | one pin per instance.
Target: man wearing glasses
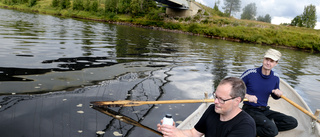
(224, 118)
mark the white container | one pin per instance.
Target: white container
(167, 120)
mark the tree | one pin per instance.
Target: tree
(64, 4)
(260, 18)
(94, 6)
(86, 5)
(55, 3)
(77, 5)
(136, 7)
(297, 21)
(32, 3)
(307, 19)
(231, 6)
(147, 6)
(123, 6)
(111, 5)
(249, 12)
(216, 9)
(266, 18)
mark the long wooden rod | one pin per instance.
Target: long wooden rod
(301, 108)
(129, 103)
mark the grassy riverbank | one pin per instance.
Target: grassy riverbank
(207, 24)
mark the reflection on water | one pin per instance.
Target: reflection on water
(52, 68)
(69, 113)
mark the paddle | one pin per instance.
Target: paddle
(130, 103)
(124, 118)
(301, 108)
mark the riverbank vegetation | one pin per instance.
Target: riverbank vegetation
(147, 13)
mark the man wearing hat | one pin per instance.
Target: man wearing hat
(261, 83)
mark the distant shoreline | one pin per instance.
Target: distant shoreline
(229, 29)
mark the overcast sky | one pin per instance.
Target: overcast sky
(281, 11)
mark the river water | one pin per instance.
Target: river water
(51, 68)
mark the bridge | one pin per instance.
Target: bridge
(182, 8)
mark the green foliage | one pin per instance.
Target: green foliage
(266, 18)
(64, 4)
(231, 6)
(110, 5)
(94, 6)
(148, 6)
(86, 5)
(187, 19)
(157, 14)
(194, 28)
(123, 6)
(150, 23)
(221, 21)
(285, 24)
(236, 23)
(260, 18)
(249, 12)
(136, 7)
(308, 19)
(15, 2)
(172, 26)
(205, 21)
(111, 15)
(213, 31)
(197, 17)
(216, 8)
(32, 3)
(55, 3)
(297, 21)
(77, 5)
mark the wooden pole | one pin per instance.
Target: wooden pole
(130, 103)
(301, 108)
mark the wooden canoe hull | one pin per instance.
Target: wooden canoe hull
(307, 127)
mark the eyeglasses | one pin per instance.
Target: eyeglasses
(220, 100)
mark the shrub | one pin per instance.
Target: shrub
(64, 4)
(193, 28)
(32, 3)
(55, 3)
(77, 5)
(187, 18)
(197, 17)
(155, 15)
(172, 26)
(94, 6)
(205, 21)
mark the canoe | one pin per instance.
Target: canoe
(307, 127)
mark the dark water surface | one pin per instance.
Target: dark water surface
(52, 68)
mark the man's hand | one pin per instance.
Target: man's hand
(277, 92)
(252, 98)
(172, 131)
(168, 130)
